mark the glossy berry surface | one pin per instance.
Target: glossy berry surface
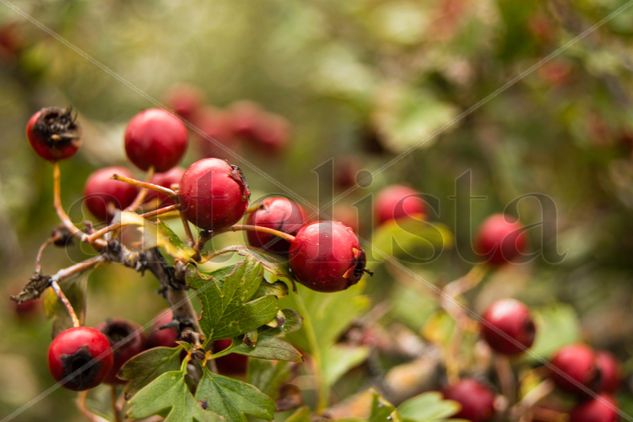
(80, 358)
(397, 201)
(101, 192)
(476, 400)
(231, 364)
(574, 367)
(155, 138)
(508, 327)
(126, 339)
(169, 179)
(213, 194)
(601, 409)
(500, 239)
(609, 374)
(160, 334)
(277, 213)
(53, 133)
(326, 256)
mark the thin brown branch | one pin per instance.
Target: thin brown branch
(140, 198)
(145, 185)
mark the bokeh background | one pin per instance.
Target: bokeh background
(525, 96)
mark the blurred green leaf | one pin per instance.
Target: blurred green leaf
(556, 326)
(268, 376)
(427, 407)
(148, 365)
(383, 411)
(415, 239)
(341, 359)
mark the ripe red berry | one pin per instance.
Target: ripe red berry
(508, 327)
(213, 194)
(273, 134)
(326, 256)
(574, 367)
(184, 100)
(27, 309)
(80, 358)
(160, 335)
(126, 339)
(231, 364)
(345, 172)
(601, 409)
(608, 372)
(476, 400)
(167, 180)
(500, 239)
(102, 192)
(246, 118)
(155, 138)
(214, 133)
(53, 133)
(397, 201)
(347, 215)
(277, 213)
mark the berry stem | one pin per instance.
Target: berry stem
(138, 201)
(113, 401)
(159, 211)
(248, 227)
(145, 185)
(506, 377)
(40, 253)
(64, 300)
(57, 203)
(187, 228)
(83, 407)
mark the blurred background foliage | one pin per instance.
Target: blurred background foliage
(525, 96)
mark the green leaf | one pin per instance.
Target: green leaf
(302, 414)
(75, 291)
(428, 407)
(341, 359)
(273, 269)
(268, 376)
(148, 365)
(416, 239)
(268, 347)
(232, 398)
(556, 326)
(168, 396)
(382, 410)
(411, 306)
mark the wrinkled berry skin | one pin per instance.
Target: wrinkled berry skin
(83, 350)
(53, 133)
(609, 374)
(576, 366)
(167, 180)
(101, 190)
(213, 194)
(159, 336)
(126, 339)
(326, 256)
(231, 364)
(277, 213)
(476, 400)
(500, 239)
(601, 409)
(397, 201)
(508, 327)
(155, 138)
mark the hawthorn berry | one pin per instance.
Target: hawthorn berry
(273, 134)
(184, 100)
(574, 366)
(326, 256)
(508, 327)
(126, 339)
(27, 309)
(476, 400)
(600, 409)
(102, 192)
(155, 138)
(80, 358)
(53, 133)
(245, 119)
(167, 180)
(213, 194)
(500, 239)
(608, 372)
(214, 129)
(161, 333)
(231, 364)
(277, 213)
(397, 201)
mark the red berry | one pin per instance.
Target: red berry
(231, 364)
(500, 239)
(155, 138)
(167, 180)
(476, 400)
(508, 327)
(397, 201)
(101, 192)
(160, 335)
(326, 256)
(184, 100)
(126, 339)
(273, 134)
(601, 409)
(53, 133)
(26, 309)
(246, 119)
(574, 367)
(345, 172)
(347, 215)
(277, 213)
(214, 130)
(213, 194)
(80, 358)
(608, 372)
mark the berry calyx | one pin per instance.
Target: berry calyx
(501, 239)
(155, 138)
(102, 194)
(126, 339)
(231, 364)
(476, 400)
(169, 179)
(163, 332)
(326, 256)
(574, 367)
(53, 133)
(213, 194)
(277, 213)
(600, 409)
(398, 201)
(508, 327)
(608, 372)
(80, 358)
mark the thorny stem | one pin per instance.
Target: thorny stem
(59, 209)
(140, 198)
(145, 185)
(248, 227)
(64, 300)
(101, 232)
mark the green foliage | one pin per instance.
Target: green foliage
(75, 291)
(557, 325)
(415, 239)
(148, 365)
(427, 407)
